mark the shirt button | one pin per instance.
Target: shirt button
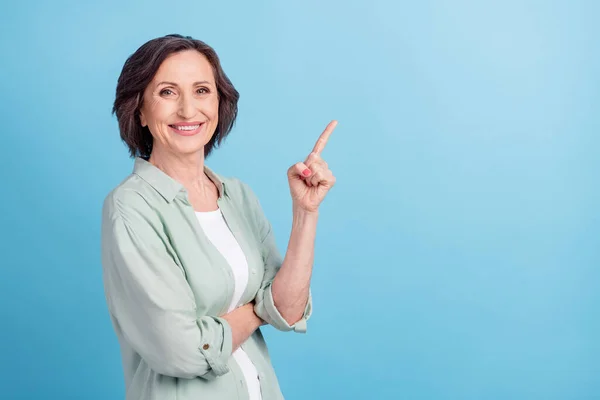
(206, 347)
(253, 270)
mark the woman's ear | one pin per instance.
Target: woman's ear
(143, 119)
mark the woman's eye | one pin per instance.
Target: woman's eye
(202, 90)
(166, 92)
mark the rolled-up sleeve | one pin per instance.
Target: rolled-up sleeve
(264, 305)
(153, 305)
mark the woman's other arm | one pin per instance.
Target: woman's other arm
(152, 303)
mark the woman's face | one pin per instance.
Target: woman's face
(181, 104)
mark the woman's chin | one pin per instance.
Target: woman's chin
(188, 147)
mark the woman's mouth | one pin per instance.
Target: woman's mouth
(186, 129)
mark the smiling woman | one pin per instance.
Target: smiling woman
(176, 94)
(145, 79)
(190, 265)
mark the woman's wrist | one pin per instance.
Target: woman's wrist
(302, 216)
(256, 320)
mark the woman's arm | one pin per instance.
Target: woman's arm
(243, 321)
(291, 284)
(285, 298)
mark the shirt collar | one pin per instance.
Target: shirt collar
(167, 186)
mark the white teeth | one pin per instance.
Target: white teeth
(187, 128)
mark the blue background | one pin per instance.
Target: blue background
(458, 255)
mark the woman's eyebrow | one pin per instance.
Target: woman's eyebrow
(166, 83)
(174, 84)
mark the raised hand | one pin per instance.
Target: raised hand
(311, 180)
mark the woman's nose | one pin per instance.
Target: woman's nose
(187, 108)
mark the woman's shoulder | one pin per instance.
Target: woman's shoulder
(130, 195)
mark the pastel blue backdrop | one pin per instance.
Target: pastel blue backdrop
(458, 255)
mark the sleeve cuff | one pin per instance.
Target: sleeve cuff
(217, 349)
(266, 310)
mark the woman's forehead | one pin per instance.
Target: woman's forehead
(186, 67)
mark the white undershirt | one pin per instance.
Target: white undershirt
(214, 226)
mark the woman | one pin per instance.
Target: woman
(190, 266)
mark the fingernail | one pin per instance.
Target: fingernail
(306, 172)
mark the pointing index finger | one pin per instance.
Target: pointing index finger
(320, 145)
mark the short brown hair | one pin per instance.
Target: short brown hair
(138, 72)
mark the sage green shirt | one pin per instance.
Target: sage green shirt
(166, 287)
